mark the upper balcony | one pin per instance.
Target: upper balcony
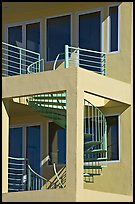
(16, 60)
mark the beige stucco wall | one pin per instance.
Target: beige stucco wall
(118, 65)
(5, 131)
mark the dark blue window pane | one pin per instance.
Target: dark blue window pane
(61, 141)
(32, 42)
(33, 37)
(57, 144)
(90, 31)
(15, 142)
(33, 147)
(90, 39)
(113, 13)
(112, 137)
(14, 38)
(15, 167)
(58, 35)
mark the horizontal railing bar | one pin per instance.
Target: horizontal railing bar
(14, 179)
(15, 158)
(20, 48)
(87, 65)
(89, 61)
(90, 56)
(75, 48)
(15, 164)
(7, 60)
(12, 189)
(17, 174)
(13, 67)
(15, 169)
(19, 55)
(16, 184)
(9, 71)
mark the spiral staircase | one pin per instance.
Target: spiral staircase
(53, 106)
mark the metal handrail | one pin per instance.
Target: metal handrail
(54, 168)
(86, 61)
(35, 63)
(54, 65)
(26, 171)
(99, 123)
(16, 60)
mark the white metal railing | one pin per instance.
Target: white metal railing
(87, 59)
(16, 60)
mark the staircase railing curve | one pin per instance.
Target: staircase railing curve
(95, 132)
(21, 177)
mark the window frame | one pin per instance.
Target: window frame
(79, 13)
(23, 24)
(24, 126)
(108, 29)
(109, 115)
(45, 39)
(118, 160)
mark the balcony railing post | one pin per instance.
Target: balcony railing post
(66, 56)
(39, 63)
(29, 179)
(104, 64)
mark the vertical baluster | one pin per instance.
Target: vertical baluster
(66, 56)
(20, 52)
(29, 179)
(39, 184)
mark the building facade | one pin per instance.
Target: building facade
(67, 101)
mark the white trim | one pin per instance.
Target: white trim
(55, 16)
(114, 114)
(23, 24)
(108, 29)
(24, 126)
(77, 14)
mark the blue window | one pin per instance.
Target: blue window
(57, 144)
(58, 34)
(90, 38)
(113, 29)
(112, 137)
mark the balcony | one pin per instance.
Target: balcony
(16, 60)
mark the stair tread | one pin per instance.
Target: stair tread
(94, 151)
(50, 97)
(48, 103)
(88, 134)
(91, 143)
(94, 159)
(91, 174)
(93, 167)
(47, 109)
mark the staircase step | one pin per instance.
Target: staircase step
(41, 108)
(61, 123)
(93, 167)
(91, 174)
(88, 134)
(56, 97)
(95, 159)
(49, 103)
(95, 151)
(92, 143)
